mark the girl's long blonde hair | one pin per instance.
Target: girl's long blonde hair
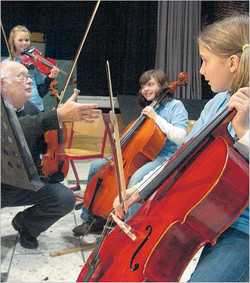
(227, 37)
(12, 37)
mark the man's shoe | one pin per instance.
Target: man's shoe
(26, 240)
(81, 230)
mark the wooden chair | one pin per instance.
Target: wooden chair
(190, 126)
(86, 141)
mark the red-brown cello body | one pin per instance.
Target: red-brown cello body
(140, 143)
(142, 148)
(196, 200)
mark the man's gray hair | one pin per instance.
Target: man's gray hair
(6, 71)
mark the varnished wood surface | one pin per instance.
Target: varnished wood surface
(92, 143)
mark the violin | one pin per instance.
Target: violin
(55, 165)
(140, 143)
(32, 58)
(193, 201)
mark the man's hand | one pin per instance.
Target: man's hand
(73, 111)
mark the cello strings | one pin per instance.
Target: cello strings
(102, 239)
(154, 174)
(137, 123)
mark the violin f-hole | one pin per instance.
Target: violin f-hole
(136, 265)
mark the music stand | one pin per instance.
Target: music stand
(17, 165)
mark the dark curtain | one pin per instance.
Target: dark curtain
(123, 32)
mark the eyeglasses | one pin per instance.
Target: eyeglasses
(21, 77)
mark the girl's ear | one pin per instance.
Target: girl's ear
(234, 63)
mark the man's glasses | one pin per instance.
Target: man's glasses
(21, 77)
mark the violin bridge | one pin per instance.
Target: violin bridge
(125, 227)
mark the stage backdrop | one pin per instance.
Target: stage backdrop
(123, 32)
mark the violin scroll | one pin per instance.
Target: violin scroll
(54, 90)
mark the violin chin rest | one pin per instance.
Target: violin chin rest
(28, 50)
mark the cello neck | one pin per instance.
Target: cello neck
(162, 93)
(216, 127)
(155, 103)
(126, 136)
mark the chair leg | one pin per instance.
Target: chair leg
(79, 198)
(77, 186)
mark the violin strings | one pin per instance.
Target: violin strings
(46, 62)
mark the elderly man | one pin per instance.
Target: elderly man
(53, 200)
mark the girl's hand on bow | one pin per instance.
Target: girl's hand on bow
(132, 196)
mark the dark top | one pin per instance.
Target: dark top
(34, 125)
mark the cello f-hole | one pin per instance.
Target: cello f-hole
(136, 265)
(124, 162)
(98, 184)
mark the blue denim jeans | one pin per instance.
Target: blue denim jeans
(49, 204)
(95, 167)
(227, 261)
(136, 178)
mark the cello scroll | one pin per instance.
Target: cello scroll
(183, 81)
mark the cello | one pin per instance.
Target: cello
(140, 143)
(198, 177)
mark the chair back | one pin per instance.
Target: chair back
(94, 129)
(86, 141)
(92, 134)
(190, 126)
